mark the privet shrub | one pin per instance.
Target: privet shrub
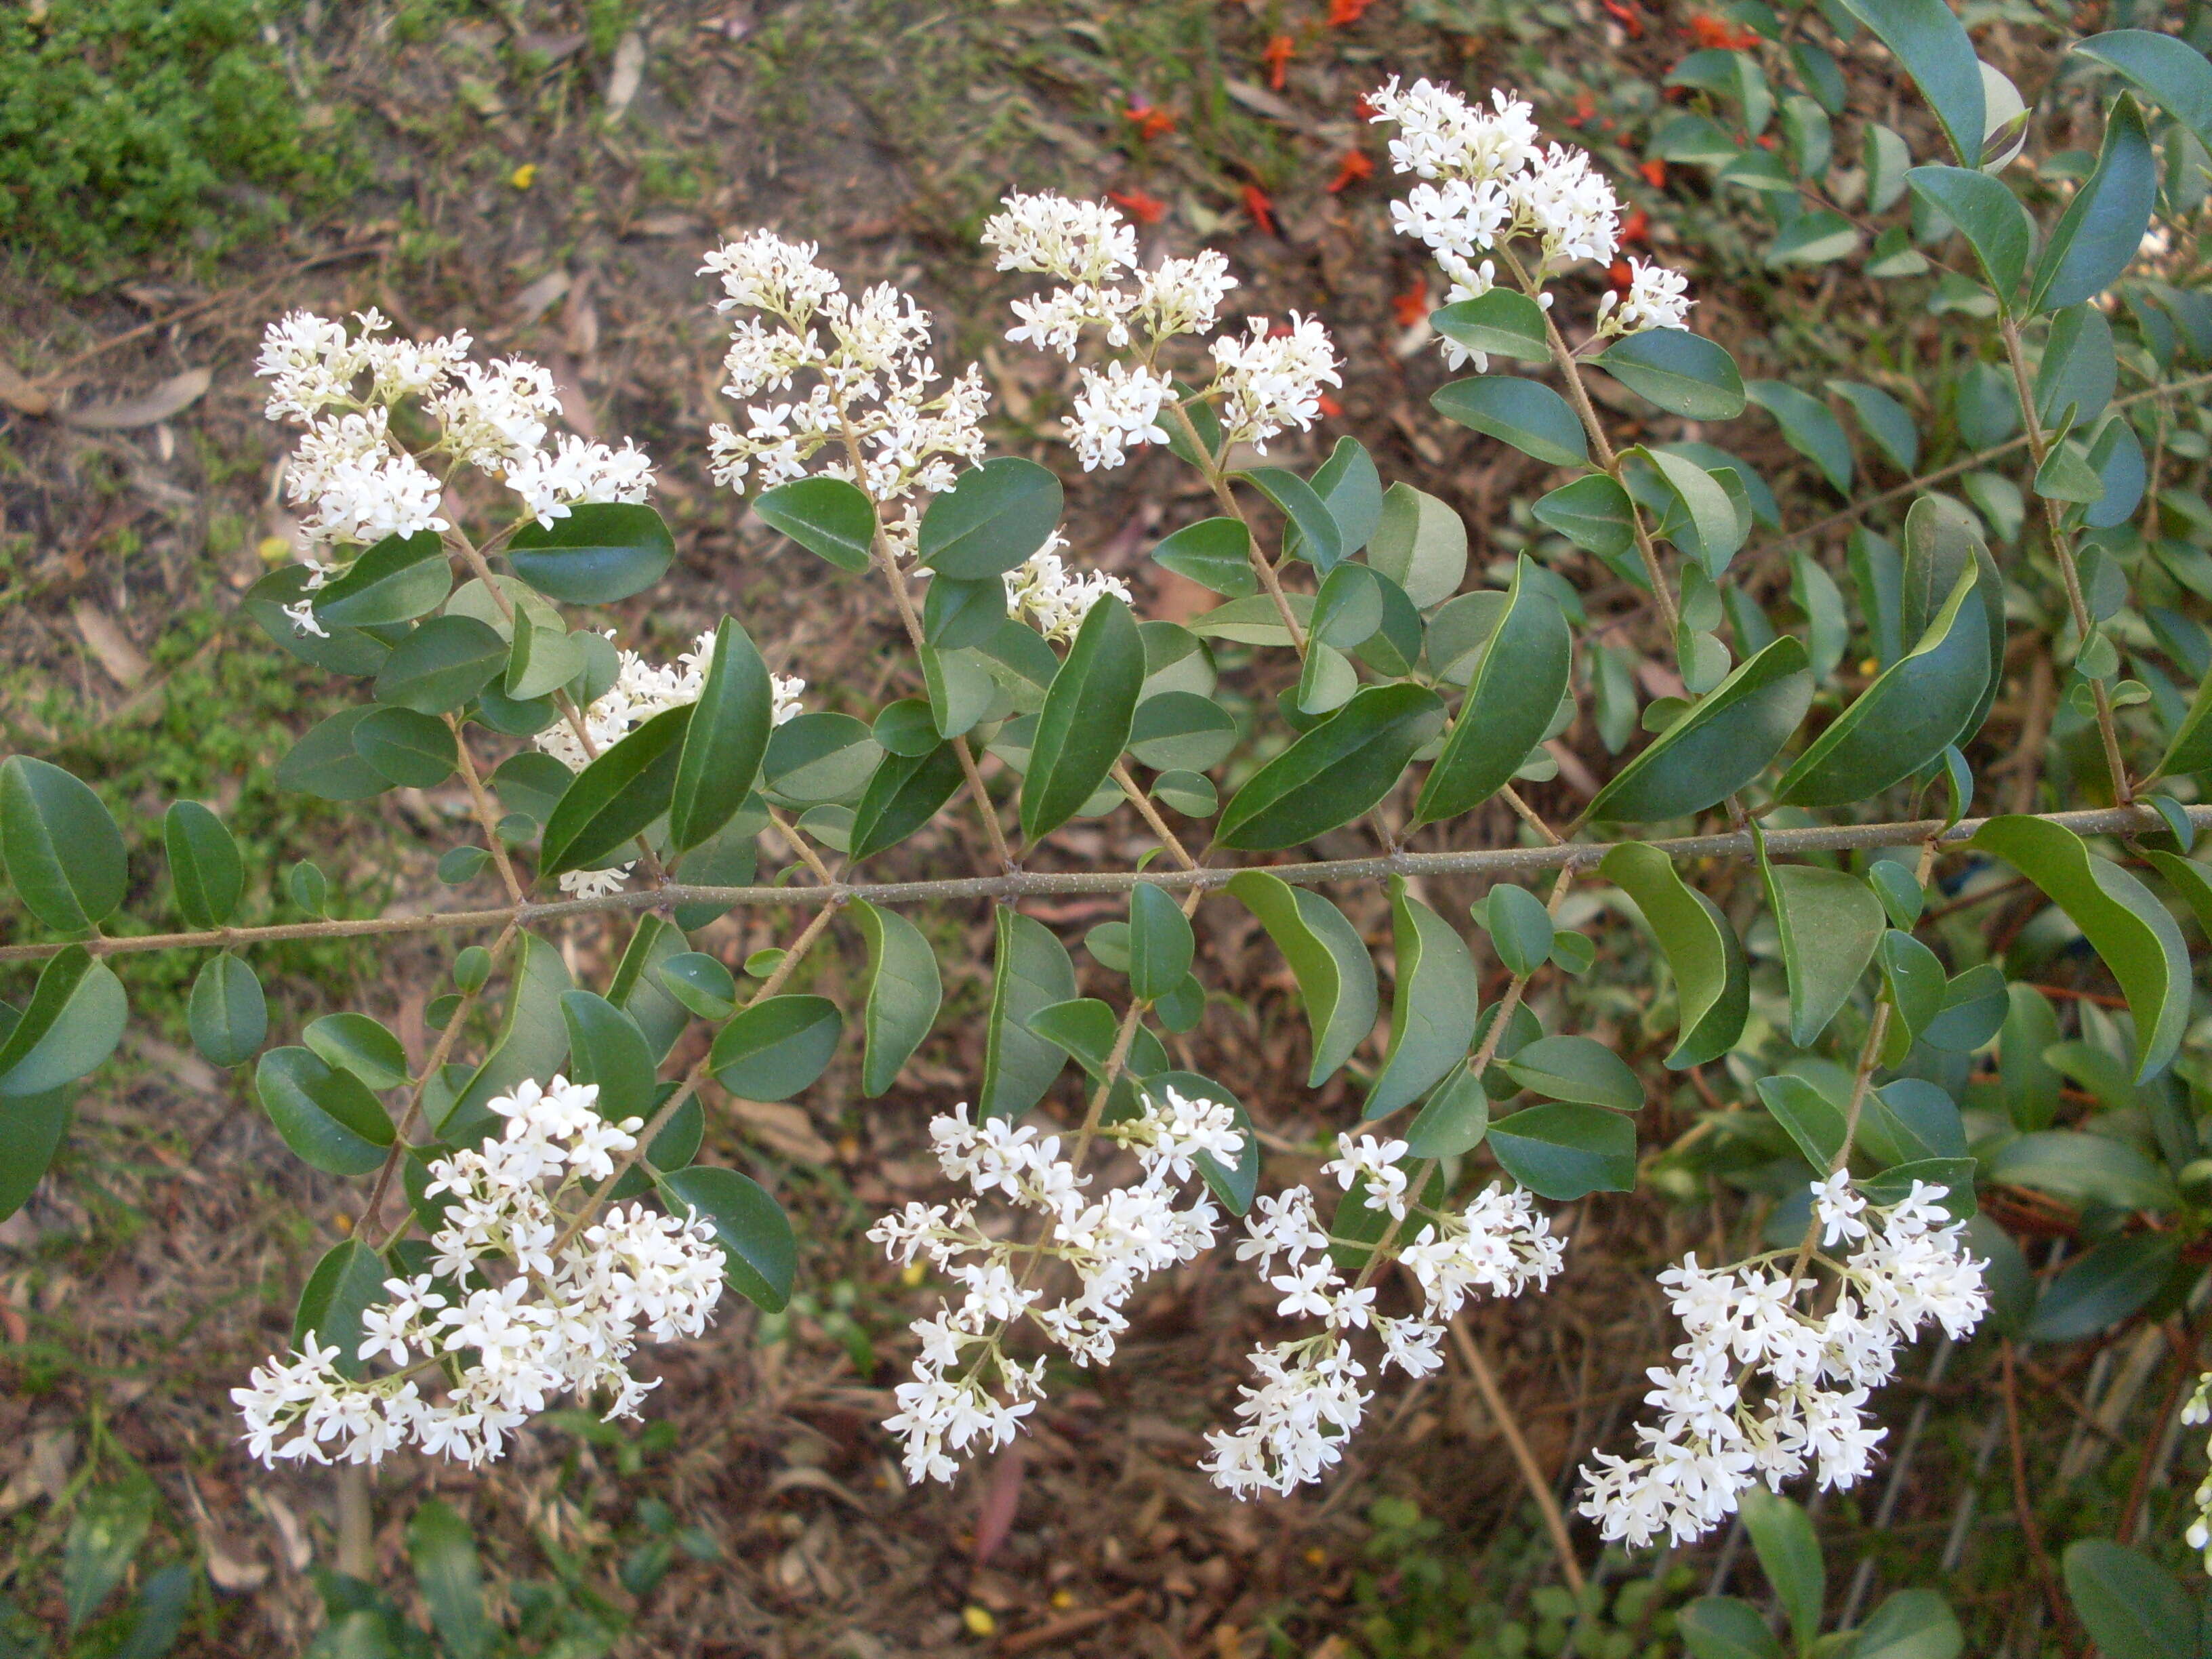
(532, 1209)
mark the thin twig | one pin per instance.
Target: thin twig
(1532, 1473)
(2029, 1526)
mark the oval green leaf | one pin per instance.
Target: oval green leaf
(1085, 722)
(1682, 372)
(1527, 414)
(1329, 960)
(760, 1254)
(1335, 772)
(619, 794)
(1433, 1014)
(1711, 981)
(600, 552)
(1509, 705)
(903, 993)
(776, 1047)
(725, 742)
(830, 518)
(992, 519)
(1726, 740)
(64, 854)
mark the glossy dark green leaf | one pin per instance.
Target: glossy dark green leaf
(1085, 722)
(1578, 1068)
(829, 517)
(1566, 1151)
(992, 519)
(903, 992)
(1913, 711)
(532, 1043)
(1335, 772)
(1809, 427)
(1989, 216)
(1812, 1120)
(2079, 372)
(1236, 1188)
(962, 689)
(1527, 414)
(602, 551)
(31, 1131)
(1421, 544)
(325, 765)
(347, 1282)
(1789, 1551)
(1161, 944)
(821, 756)
(1592, 513)
(415, 751)
(1032, 970)
(2027, 1083)
(1702, 514)
(361, 1045)
(1883, 419)
(724, 742)
(1682, 372)
(443, 1552)
(1502, 322)
(1913, 975)
(777, 1047)
(1726, 740)
(1086, 1030)
(619, 793)
(227, 1015)
(396, 580)
(1335, 975)
(1932, 43)
(2126, 1601)
(699, 984)
(1352, 489)
(1509, 705)
(1320, 541)
(338, 650)
(1941, 540)
(606, 1049)
(64, 852)
(1181, 732)
(2164, 68)
(905, 793)
(640, 990)
(1974, 1008)
(1214, 553)
(1453, 1120)
(206, 870)
(2098, 1289)
(1712, 982)
(1519, 927)
(441, 664)
(327, 1117)
(2082, 1169)
(760, 1254)
(1830, 922)
(1433, 1012)
(2098, 236)
(2123, 921)
(74, 1020)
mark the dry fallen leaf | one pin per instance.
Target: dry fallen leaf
(177, 394)
(19, 393)
(45, 1474)
(629, 72)
(784, 1129)
(537, 299)
(105, 638)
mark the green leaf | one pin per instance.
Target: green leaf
(1699, 503)
(903, 993)
(73, 1021)
(822, 756)
(1527, 414)
(205, 868)
(1502, 322)
(1214, 553)
(1813, 1122)
(1085, 722)
(1989, 216)
(1519, 927)
(228, 1016)
(531, 1043)
(1818, 237)
(1453, 1120)
(955, 613)
(2082, 1169)
(1726, 740)
(830, 518)
(163, 1600)
(905, 793)
(1161, 944)
(1913, 975)
(991, 521)
(2098, 236)
(2102, 1286)
(64, 854)
(1932, 43)
(1974, 1007)
(1576, 1068)
(31, 1130)
(643, 983)
(404, 747)
(619, 794)
(606, 1049)
(1942, 539)
(1883, 419)
(776, 1047)
(600, 552)
(1252, 621)
(1432, 1015)
(1333, 772)
(1914, 1624)
(441, 664)
(760, 1256)
(2067, 476)
(1237, 1187)
(1711, 981)
(699, 983)
(1829, 922)
(2126, 1601)
(443, 1551)
(347, 1282)
(2079, 371)
(1916, 708)
(1682, 372)
(1592, 513)
(106, 1525)
(724, 742)
(2029, 1083)
(1181, 732)
(1566, 1151)
(2164, 68)
(1807, 427)
(327, 1117)
(1790, 1550)
(1509, 705)
(361, 1045)
(324, 763)
(1335, 975)
(1319, 540)
(1421, 544)
(1030, 971)
(396, 580)
(1086, 1028)
(2123, 921)
(1721, 1627)
(1351, 489)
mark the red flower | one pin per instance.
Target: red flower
(1627, 17)
(1412, 306)
(1620, 275)
(1655, 171)
(1276, 58)
(1355, 165)
(1363, 109)
(1344, 13)
(1329, 406)
(1710, 32)
(1150, 120)
(1145, 209)
(1637, 228)
(1585, 106)
(1262, 209)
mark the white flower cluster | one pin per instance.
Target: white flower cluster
(642, 690)
(564, 1323)
(1042, 588)
(967, 1389)
(1713, 1439)
(1487, 179)
(1271, 379)
(359, 484)
(2197, 1412)
(871, 402)
(1309, 1402)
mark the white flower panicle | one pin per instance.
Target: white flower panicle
(1717, 1434)
(1271, 378)
(1296, 1423)
(968, 1391)
(1487, 180)
(2197, 1412)
(642, 690)
(577, 471)
(1116, 409)
(873, 392)
(564, 1322)
(1042, 589)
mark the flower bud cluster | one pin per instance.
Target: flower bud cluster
(1055, 600)
(1715, 1436)
(968, 1391)
(1270, 380)
(564, 1322)
(1487, 180)
(2197, 1411)
(1309, 1402)
(872, 401)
